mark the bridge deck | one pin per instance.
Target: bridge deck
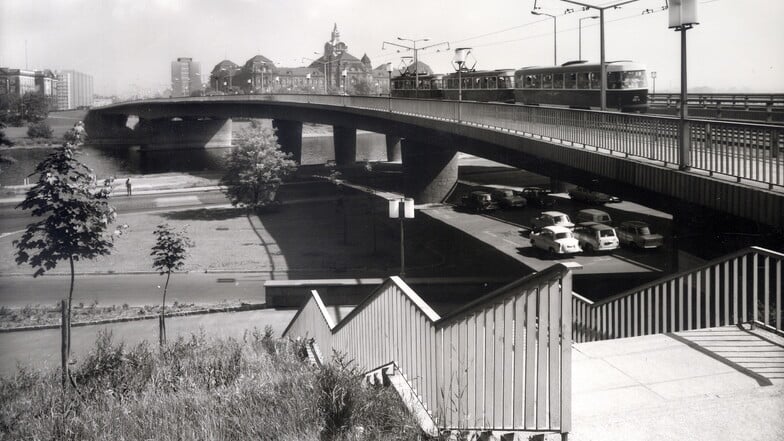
(722, 383)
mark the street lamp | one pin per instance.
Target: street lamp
(580, 34)
(683, 16)
(653, 77)
(402, 208)
(555, 31)
(389, 88)
(344, 74)
(603, 66)
(461, 54)
(416, 57)
(324, 64)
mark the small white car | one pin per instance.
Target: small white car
(555, 240)
(551, 219)
(594, 236)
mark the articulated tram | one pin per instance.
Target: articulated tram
(574, 84)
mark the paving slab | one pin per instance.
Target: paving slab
(722, 383)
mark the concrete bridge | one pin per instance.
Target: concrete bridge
(734, 168)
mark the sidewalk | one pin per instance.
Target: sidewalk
(719, 384)
(142, 185)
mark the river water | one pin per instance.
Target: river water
(109, 161)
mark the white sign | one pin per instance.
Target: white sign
(682, 13)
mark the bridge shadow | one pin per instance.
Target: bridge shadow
(755, 353)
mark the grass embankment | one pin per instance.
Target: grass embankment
(258, 388)
(42, 315)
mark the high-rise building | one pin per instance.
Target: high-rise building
(74, 90)
(64, 101)
(185, 76)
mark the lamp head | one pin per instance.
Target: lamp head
(389, 67)
(461, 54)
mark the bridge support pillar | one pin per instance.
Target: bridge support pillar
(345, 140)
(168, 133)
(429, 171)
(105, 129)
(289, 135)
(393, 149)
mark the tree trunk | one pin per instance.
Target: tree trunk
(64, 336)
(65, 329)
(162, 323)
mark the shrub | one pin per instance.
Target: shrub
(39, 130)
(196, 388)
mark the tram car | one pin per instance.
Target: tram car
(430, 86)
(576, 84)
(481, 85)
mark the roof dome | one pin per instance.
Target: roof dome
(225, 65)
(421, 68)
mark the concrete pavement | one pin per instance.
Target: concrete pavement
(712, 384)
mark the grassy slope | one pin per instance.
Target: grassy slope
(257, 388)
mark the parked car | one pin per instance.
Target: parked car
(506, 198)
(478, 201)
(638, 234)
(551, 218)
(593, 236)
(555, 240)
(538, 196)
(591, 197)
(594, 215)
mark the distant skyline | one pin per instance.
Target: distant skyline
(128, 45)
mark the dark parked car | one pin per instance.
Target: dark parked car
(592, 197)
(508, 198)
(638, 234)
(478, 201)
(538, 196)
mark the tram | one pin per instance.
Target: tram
(577, 85)
(574, 84)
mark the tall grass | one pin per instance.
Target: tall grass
(259, 388)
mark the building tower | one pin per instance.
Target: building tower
(185, 77)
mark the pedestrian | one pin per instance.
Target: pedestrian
(128, 186)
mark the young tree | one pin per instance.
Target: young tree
(255, 168)
(73, 222)
(34, 107)
(168, 254)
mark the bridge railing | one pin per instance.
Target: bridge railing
(746, 102)
(744, 287)
(502, 362)
(744, 151)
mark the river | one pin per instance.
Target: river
(123, 161)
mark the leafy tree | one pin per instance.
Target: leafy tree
(10, 106)
(168, 254)
(255, 168)
(73, 216)
(34, 107)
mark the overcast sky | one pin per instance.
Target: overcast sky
(126, 44)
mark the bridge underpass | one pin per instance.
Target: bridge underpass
(629, 155)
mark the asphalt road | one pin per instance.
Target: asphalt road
(134, 289)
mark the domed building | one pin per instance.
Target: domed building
(222, 77)
(342, 70)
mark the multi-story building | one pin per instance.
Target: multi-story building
(46, 84)
(16, 81)
(185, 77)
(64, 101)
(75, 89)
(344, 71)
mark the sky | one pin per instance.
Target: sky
(128, 45)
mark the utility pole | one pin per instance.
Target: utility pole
(416, 56)
(601, 9)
